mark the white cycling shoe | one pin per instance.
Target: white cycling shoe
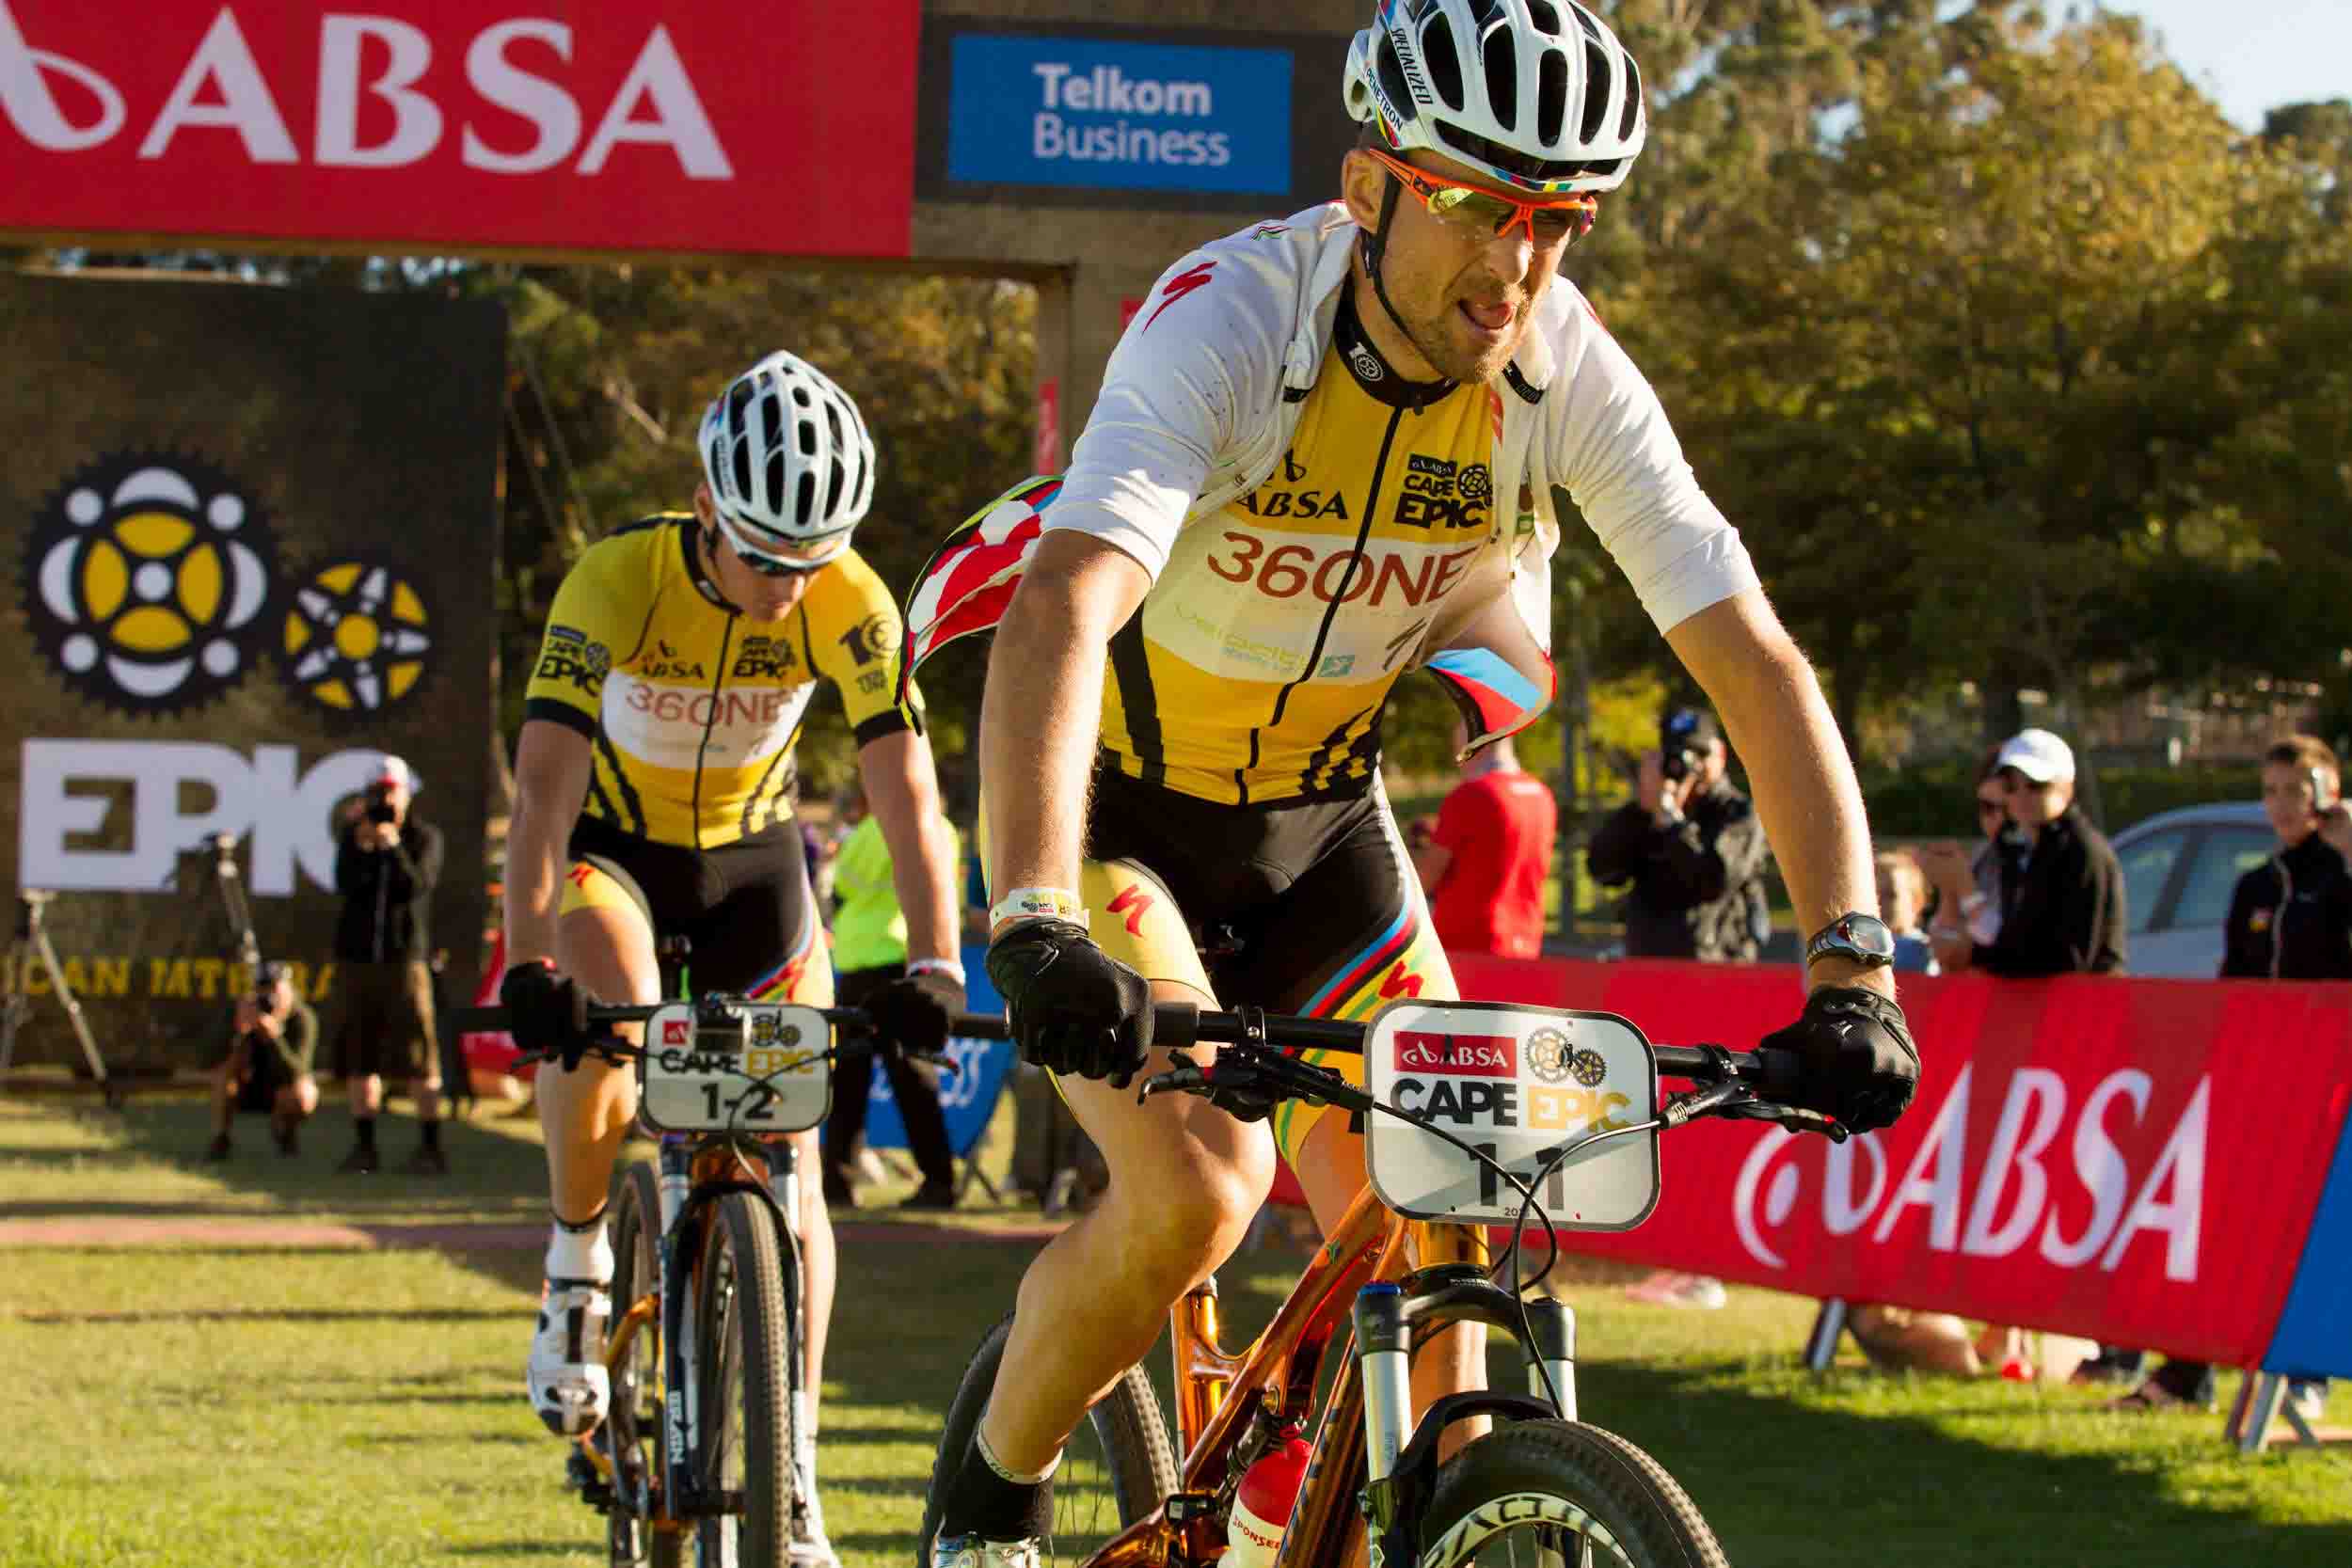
(569, 1385)
(970, 1551)
(809, 1546)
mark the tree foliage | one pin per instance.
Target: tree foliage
(614, 367)
(2014, 361)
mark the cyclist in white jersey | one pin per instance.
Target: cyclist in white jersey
(1242, 524)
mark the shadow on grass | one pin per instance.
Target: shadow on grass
(1785, 1475)
(487, 1169)
(270, 1314)
(1780, 1478)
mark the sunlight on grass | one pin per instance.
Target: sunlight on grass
(205, 1405)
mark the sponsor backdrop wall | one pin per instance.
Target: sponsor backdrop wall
(254, 537)
(1084, 145)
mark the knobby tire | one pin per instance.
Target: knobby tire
(744, 1335)
(1122, 1446)
(632, 1427)
(1562, 1492)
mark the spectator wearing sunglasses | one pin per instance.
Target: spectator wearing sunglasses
(2065, 916)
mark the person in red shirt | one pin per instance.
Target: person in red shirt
(1483, 862)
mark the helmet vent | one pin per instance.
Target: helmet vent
(1543, 16)
(775, 473)
(1392, 79)
(804, 500)
(1596, 76)
(1443, 65)
(1503, 77)
(1552, 95)
(1632, 99)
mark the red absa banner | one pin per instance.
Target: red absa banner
(785, 127)
(2137, 1161)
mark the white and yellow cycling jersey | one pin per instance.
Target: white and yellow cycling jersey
(691, 707)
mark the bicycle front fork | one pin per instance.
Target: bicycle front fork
(1400, 1455)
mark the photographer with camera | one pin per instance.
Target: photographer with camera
(385, 865)
(1692, 848)
(271, 1035)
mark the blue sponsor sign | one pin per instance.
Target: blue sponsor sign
(1090, 112)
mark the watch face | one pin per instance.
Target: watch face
(1858, 936)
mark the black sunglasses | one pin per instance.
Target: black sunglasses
(767, 568)
(765, 565)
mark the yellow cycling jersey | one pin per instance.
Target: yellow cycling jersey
(1259, 665)
(691, 707)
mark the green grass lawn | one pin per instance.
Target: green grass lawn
(204, 1404)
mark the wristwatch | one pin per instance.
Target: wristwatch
(1862, 940)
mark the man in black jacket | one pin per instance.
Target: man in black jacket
(1691, 845)
(2290, 919)
(385, 866)
(2065, 913)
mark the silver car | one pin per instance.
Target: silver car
(2179, 870)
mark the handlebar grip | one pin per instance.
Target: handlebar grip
(1175, 1025)
(1779, 1072)
(981, 1027)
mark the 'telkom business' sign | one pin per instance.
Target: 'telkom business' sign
(1101, 113)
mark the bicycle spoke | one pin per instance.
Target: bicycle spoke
(1585, 1542)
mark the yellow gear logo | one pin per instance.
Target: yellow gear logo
(358, 638)
(147, 576)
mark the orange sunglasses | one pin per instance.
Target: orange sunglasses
(1546, 220)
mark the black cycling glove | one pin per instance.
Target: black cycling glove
(912, 1013)
(1073, 1007)
(1860, 1064)
(546, 1011)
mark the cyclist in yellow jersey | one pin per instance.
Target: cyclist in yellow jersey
(1324, 454)
(653, 796)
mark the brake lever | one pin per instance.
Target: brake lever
(1797, 1119)
(1188, 1076)
(1716, 1099)
(1740, 1103)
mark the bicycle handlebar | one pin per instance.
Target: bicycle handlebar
(493, 1019)
(1758, 1084)
(1176, 1024)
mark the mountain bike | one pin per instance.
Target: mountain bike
(1476, 1113)
(692, 1462)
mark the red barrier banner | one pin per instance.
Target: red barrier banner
(687, 125)
(2135, 1160)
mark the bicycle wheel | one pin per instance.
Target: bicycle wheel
(1562, 1495)
(1116, 1470)
(632, 1424)
(744, 1325)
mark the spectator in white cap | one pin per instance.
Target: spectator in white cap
(2068, 915)
(385, 865)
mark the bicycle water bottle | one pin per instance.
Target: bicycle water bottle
(1262, 1505)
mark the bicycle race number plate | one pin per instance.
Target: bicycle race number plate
(1518, 1085)
(779, 1081)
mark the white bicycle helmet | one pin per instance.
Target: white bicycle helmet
(789, 462)
(1538, 94)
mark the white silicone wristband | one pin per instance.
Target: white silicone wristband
(937, 966)
(1039, 903)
